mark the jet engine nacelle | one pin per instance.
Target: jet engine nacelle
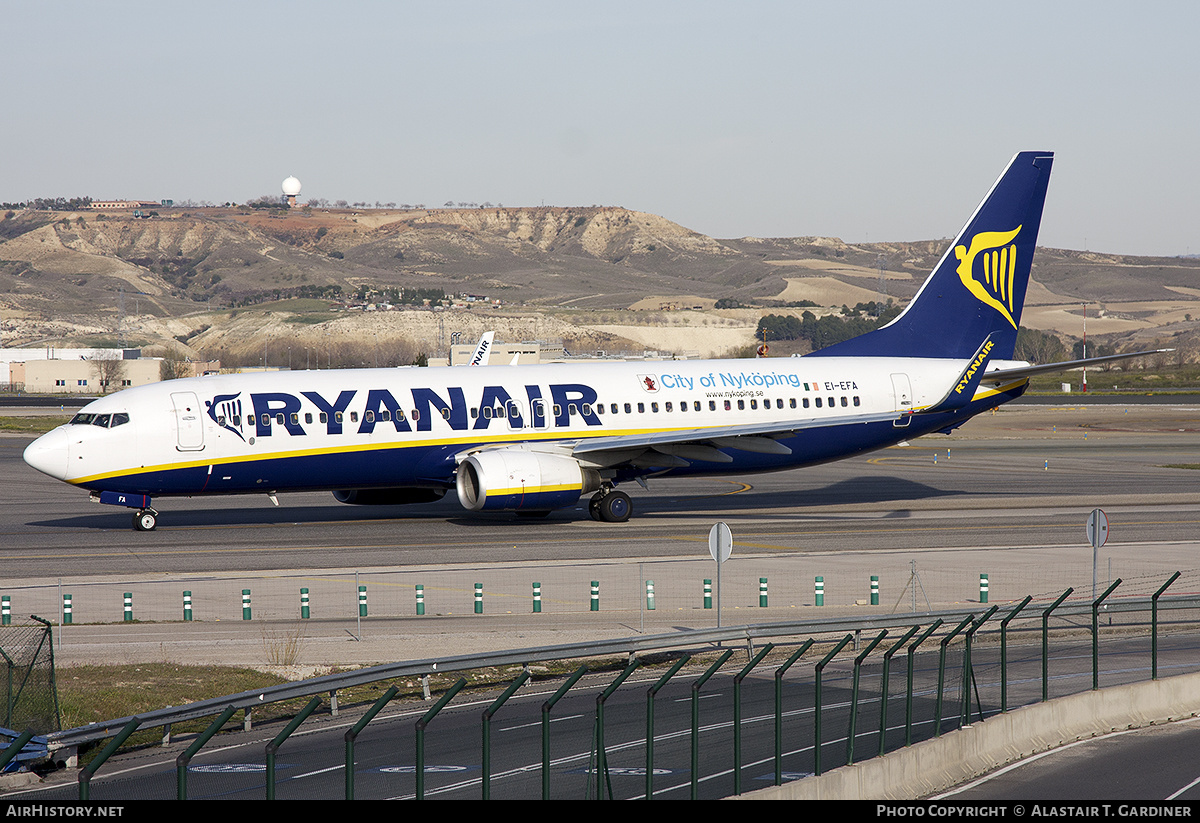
(511, 480)
(388, 497)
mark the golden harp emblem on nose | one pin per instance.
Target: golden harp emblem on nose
(994, 286)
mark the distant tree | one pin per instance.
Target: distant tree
(172, 367)
(109, 369)
(1039, 346)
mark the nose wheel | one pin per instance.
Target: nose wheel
(610, 506)
(145, 520)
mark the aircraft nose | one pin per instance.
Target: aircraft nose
(48, 454)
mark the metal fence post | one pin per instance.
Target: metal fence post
(1046, 643)
(650, 693)
(737, 713)
(969, 671)
(817, 672)
(1096, 633)
(85, 774)
(779, 707)
(487, 730)
(1154, 626)
(185, 757)
(354, 731)
(546, 707)
(696, 686)
(908, 700)
(858, 661)
(420, 728)
(601, 754)
(941, 681)
(883, 696)
(274, 745)
(1004, 652)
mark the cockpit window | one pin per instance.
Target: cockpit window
(104, 421)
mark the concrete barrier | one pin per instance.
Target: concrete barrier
(936, 765)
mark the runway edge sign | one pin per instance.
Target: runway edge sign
(1097, 528)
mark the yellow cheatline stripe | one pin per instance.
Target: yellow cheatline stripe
(522, 490)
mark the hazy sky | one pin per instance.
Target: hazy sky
(862, 120)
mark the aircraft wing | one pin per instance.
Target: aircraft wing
(704, 444)
(1023, 372)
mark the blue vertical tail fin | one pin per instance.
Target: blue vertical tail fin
(978, 287)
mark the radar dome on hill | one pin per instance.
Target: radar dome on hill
(291, 188)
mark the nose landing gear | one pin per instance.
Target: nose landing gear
(145, 520)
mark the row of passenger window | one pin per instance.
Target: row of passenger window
(490, 412)
(741, 404)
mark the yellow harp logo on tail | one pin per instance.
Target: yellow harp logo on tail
(994, 287)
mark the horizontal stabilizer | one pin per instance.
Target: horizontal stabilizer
(1024, 372)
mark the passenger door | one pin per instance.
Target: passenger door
(189, 424)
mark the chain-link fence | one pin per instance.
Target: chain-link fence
(30, 693)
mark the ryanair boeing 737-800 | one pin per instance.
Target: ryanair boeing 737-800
(532, 439)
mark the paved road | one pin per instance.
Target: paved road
(1152, 764)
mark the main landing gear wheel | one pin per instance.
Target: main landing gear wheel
(614, 507)
(145, 520)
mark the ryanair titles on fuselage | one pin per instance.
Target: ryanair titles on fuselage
(382, 407)
(413, 409)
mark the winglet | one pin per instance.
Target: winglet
(964, 387)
